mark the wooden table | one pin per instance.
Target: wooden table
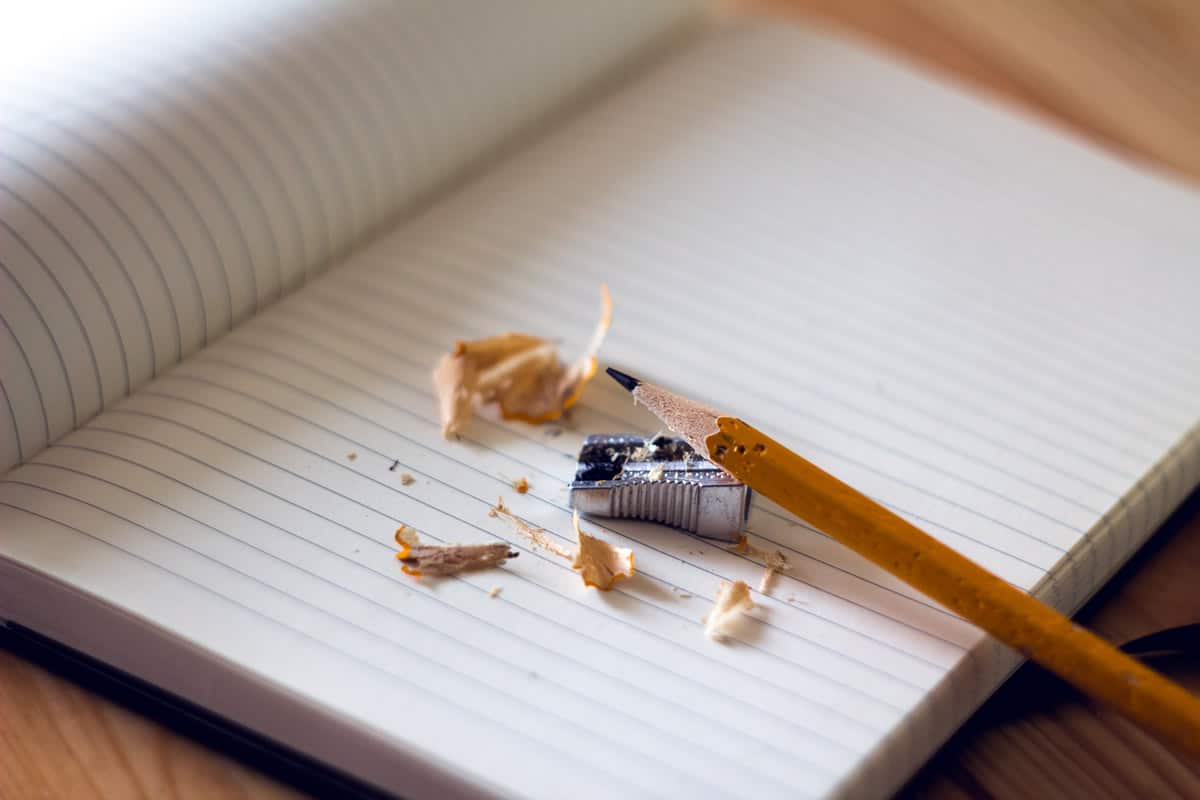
(1127, 74)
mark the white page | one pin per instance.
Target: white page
(980, 324)
(166, 170)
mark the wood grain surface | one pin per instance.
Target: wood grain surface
(1126, 74)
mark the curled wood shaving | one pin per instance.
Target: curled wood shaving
(494, 591)
(733, 600)
(656, 472)
(436, 560)
(539, 537)
(407, 479)
(453, 378)
(599, 563)
(521, 485)
(407, 535)
(519, 372)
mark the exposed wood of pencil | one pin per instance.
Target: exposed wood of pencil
(1039, 632)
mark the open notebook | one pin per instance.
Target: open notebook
(234, 242)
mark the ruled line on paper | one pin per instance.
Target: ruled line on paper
(259, 147)
(234, 343)
(88, 271)
(503, 674)
(393, 578)
(584, 247)
(429, 422)
(559, 285)
(410, 337)
(153, 223)
(240, 342)
(632, 690)
(363, 344)
(456, 289)
(68, 369)
(398, 676)
(126, 278)
(427, 398)
(390, 323)
(1018, 451)
(484, 504)
(67, 405)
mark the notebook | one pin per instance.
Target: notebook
(235, 240)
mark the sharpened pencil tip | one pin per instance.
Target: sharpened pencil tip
(628, 381)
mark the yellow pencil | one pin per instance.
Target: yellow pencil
(1032, 628)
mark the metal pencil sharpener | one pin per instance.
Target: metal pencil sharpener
(659, 480)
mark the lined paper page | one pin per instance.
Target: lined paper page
(975, 322)
(166, 171)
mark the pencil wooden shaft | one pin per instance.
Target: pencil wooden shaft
(1029, 626)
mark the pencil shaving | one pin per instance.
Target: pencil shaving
(599, 563)
(766, 581)
(776, 563)
(450, 559)
(539, 537)
(521, 373)
(452, 381)
(744, 548)
(647, 448)
(406, 536)
(733, 600)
